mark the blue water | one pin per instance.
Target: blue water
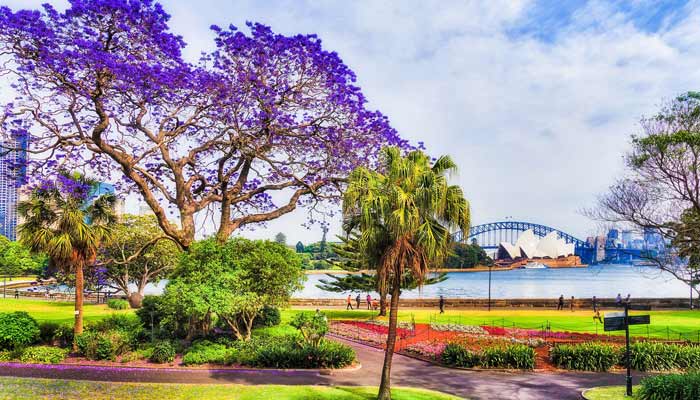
(599, 280)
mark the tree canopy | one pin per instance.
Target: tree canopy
(103, 86)
(232, 281)
(127, 263)
(17, 259)
(401, 216)
(661, 191)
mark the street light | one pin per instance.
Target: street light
(490, 266)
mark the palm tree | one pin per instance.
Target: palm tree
(60, 221)
(403, 212)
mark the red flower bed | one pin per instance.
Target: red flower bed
(494, 330)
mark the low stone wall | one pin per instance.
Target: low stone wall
(671, 303)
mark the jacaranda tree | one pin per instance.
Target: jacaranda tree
(62, 221)
(104, 85)
(402, 214)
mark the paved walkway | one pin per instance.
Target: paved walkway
(406, 371)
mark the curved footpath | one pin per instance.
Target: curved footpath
(406, 371)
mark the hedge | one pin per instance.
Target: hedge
(585, 356)
(648, 356)
(671, 386)
(43, 355)
(515, 356)
(118, 304)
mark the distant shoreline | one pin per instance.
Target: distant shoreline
(479, 268)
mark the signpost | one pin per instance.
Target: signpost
(618, 321)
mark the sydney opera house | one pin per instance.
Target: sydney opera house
(529, 247)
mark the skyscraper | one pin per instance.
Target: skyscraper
(13, 156)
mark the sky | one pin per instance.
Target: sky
(534, 100)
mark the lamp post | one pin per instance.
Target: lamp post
(490, 287)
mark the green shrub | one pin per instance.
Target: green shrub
(63, 335)
(206, 352)
(140, 354)
(47, 332)
(118, 304)
(288, 354)
(671, 386)
(96, 345)
(163, 352)
(128, 325)
(6, 355)
(43, 355)
(17, 329)
(268, 316)
(457, 356)
(585, 356)
(312, 326)
(649, 356)
(516, 356)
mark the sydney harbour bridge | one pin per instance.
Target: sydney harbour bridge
(490, 235)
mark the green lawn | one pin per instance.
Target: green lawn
(56, 311)
(610, 393)
(663, 323)
(26, 388)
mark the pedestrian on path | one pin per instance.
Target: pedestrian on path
(571, 305)
(442, 305)
(560, 305)
(349, 306)
(597, 317)
(16, 294)
(594, 302)
(357, 301)
(618, 299)
(369, 302)
(627, 299)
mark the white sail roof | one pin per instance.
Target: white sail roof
(530, 246)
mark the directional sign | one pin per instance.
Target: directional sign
(638, 320)
(614, 324)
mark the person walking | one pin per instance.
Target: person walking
(560, 305)
(442, 304)
(627, 299)
(571, 305)
(597, 317)
(357, 301)
(16, 294)
(594, 302)
(618, 300)
(349, 306)
(369, 302)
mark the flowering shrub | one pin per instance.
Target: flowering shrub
(430, 349)
(402, 325)
(357, 333)
(472, 329)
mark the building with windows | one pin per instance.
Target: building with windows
(13, 157)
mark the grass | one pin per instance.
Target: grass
(57, 311)
(30, 388)
(610, 393)
(686, 323)
(664, 324)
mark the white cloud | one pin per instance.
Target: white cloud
(538, 127)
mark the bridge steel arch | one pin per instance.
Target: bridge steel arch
(538, 229)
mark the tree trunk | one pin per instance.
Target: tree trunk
(382, 304)
(385, 386)
(136, 299)
(79, 283)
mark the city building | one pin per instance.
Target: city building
(13, 157)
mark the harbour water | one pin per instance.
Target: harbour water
(598, 280)
(603, 280)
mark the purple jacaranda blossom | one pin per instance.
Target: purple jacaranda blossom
(103, 88)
